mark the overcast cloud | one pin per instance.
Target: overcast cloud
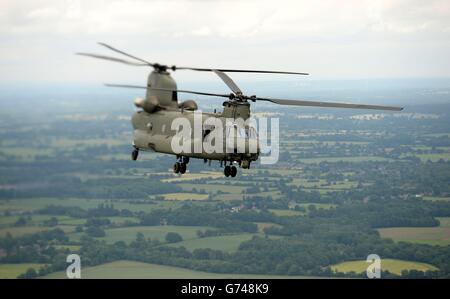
(329, 39)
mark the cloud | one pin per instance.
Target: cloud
(227, 19)
(354, 38)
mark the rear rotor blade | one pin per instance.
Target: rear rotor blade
(328, 104)
(228, 81)
(126, 54)
(112, 59)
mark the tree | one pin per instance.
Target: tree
(172, 237)
(30, 274)
(94, 231)
(21, 221)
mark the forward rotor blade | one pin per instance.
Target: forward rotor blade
(237, 71)
(228, 81)
(195, 92)
(112, 59)
(125, 86)
(329, 104)
(126, 54)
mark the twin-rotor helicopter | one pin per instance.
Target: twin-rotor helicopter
(160, 107)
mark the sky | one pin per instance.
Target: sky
(353, 39)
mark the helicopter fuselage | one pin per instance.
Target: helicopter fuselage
(156, 132)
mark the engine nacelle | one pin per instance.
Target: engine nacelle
(150, 105)
(188, 105)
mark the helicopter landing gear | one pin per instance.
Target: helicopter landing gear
(230, 171)
(134, 154)
(181, 165)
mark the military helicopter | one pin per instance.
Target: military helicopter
(152, 123)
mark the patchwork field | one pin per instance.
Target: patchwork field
(426, 235)
(9, 271)
(193, 176)
(224, 243)
(391, 265)
(344, 159)
(435, 198)
(33, 204)
(130, 270)
(128, 234)
(185, 196)
(280, 212)
(213, 188)
(21, 231)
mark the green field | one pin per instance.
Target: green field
(23, 230)
(72, 248)
(14, 270)
(425, 235)
(263, 225)
(193, 176)
(128, 234)
(325, 206)
(226, 197)
(225, 243)
(285, 212)
(435, 198)
(344, 159)
(213, 188)
(33, 204)
(434, 157)
(130, 269)
(280, 212)
(391, 265)
(34, 219)
(322, 184)
(185, 196)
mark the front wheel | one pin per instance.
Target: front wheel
(134, 154)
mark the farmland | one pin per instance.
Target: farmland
(130, 270)
(426, 235)
(391, 265)
(340, 186)
(9, 271)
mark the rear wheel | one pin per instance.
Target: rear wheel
(233, 171)
(182, 168)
